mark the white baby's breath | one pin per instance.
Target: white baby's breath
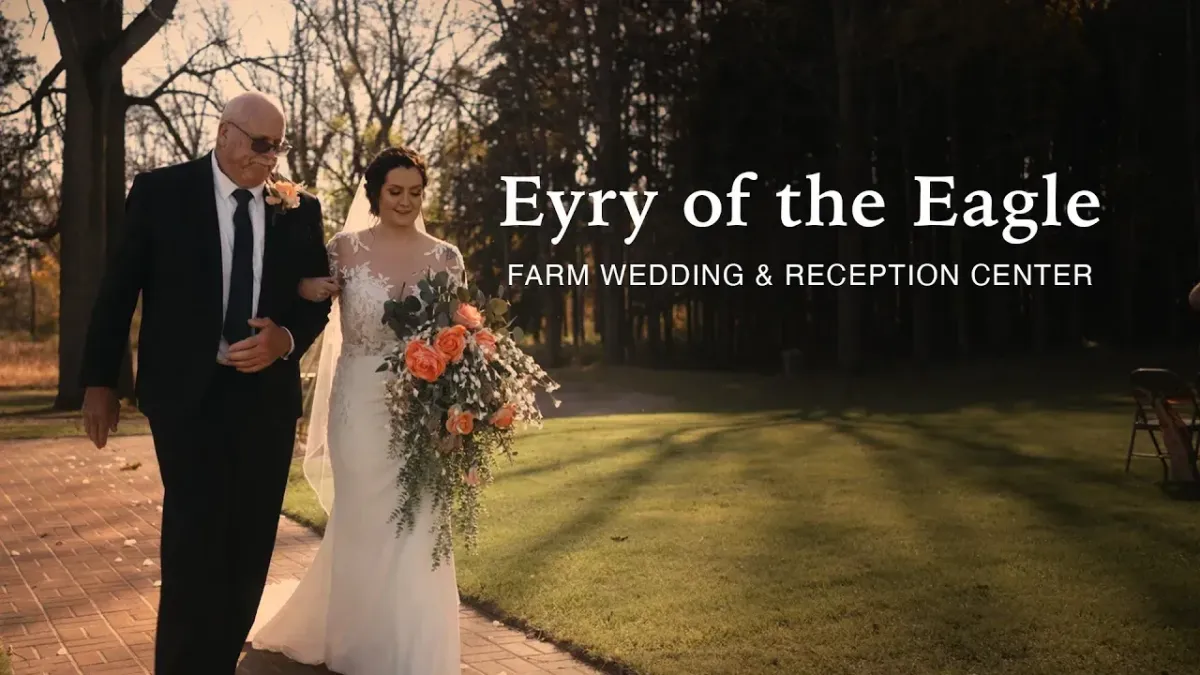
(450, 469)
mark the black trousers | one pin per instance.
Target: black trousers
(224, 470)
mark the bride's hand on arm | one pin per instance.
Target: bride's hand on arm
(318, 289)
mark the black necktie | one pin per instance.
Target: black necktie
(241, 274)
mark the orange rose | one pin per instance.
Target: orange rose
(450, 343)
(423, 361)
(459, 421)
(286, 193)
(486, 342)
(503, 418)
(467, 315)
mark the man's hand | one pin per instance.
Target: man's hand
(259, 351)
(318, 289)
(101, 412)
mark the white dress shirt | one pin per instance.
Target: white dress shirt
(226, 206)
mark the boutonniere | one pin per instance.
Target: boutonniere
(284, 194)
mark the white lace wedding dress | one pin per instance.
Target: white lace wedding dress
(371, 604)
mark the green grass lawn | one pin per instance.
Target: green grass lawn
(28, 413)
(909, 526)
(974, 522)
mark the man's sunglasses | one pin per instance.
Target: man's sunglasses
(263, 145)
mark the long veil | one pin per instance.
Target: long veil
(318, 468)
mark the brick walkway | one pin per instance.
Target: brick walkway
(79, 565)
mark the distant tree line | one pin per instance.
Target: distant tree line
(677, 97)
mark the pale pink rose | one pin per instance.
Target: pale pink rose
(487, 343)
(287, 193)
(467, 315)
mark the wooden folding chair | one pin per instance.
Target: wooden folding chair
(1166, 404)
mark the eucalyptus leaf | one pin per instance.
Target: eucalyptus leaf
(412, 304)
(442, 321)
(382, 368)
(464, 295)
(497, 306)
(518, 334)
(442, 278)
(454, 305)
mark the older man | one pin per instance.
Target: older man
(216, 250)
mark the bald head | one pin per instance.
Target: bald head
(252, 127)
(250, 106)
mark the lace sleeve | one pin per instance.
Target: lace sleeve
(331, 250)
(452, 258)
(341, 253)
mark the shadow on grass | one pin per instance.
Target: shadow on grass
(665, 448)
(1098, 513)
(25, 402)
(1053, 498)
(1074, 382)
(1074, 498)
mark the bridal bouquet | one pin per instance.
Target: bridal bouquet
(461, 385)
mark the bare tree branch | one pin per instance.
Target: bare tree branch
(153, 104)
(43, 89)
(139, 31)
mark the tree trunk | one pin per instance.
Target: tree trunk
(84, 233)
(1127, 253)
(962, 317)
(668, 321)
(94, 48)
(579, 298)
(1193, 111)
(609, 170)
(32, 295)
(920, 297)
(654, 328)
(849, 298)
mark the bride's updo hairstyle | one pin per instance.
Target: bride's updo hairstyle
(388, 159)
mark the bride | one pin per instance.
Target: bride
(370, 604)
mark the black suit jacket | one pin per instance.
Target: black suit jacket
(171, 254)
